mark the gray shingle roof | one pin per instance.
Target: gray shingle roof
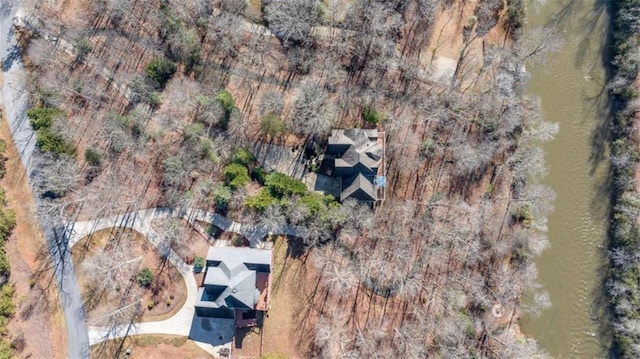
(358, 187)
(230, 280)
(233, 256)
(358, 152)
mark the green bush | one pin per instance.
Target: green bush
(154, 100)
(7, 222)
(41, 120)
(93, 157)
(236, 174)
(6, 350)
(522, 214)
(225, 100)
(515, 15)
(282, 185)
(7, 308)
(237, 241)
(5, 268)
(243, 156)
(3, 325)
(159, 71)
(42, 117)
(145, 277)
(261, 201)
(193, 132)
(150, 305)
(206, 150)
(316, 202)
(370, 115)
(259, 174)
(221, 196)
(83, 48)
(48, 141)
(428, 147)
(198, 262)
(272, 125)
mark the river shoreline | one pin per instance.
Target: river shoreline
(622, 286)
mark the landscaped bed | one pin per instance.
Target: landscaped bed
(113, 264)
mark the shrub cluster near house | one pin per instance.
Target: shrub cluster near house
(279, 199)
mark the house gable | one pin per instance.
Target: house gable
(231, 281)
(357, 158)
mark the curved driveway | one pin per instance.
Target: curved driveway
(140, 221)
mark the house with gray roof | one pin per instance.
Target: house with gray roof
(357, 156)
(236, 285)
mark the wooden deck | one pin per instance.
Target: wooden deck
(242, 322)
(263, 283)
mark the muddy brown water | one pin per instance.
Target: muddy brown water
(571, 87)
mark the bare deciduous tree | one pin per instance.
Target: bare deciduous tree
(272, 103)
(272, 219)
(60, 176)
(537, 43)
(109, 270)
(311, 113)
(292, 20)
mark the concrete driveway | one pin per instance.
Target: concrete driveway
(211, 334)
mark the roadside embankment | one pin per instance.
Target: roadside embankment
(14, 99)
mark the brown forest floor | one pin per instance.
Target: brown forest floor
(298, 300)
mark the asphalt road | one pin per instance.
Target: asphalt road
(14, 100)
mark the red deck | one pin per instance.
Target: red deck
(263, 283)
